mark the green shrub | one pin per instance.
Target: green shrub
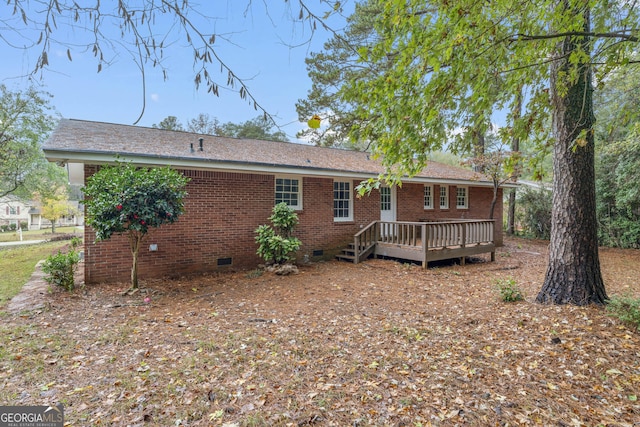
(625, 308)
(12, 227)
(535, 206)
(509, 290)
(276, 245)
(61, 267)
(4, 228)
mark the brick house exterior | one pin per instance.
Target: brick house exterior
(234, 186)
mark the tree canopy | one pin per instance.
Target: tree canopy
(124, 199)
(618, 160)
(330, 71)
(25, 121)
(256, 128)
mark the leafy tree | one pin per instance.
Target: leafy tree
(330, 70)
(55, 205)
(498, 164)
(618, 191)
(617, 131)
(445, 68)
(204, 124)
(25, 121)
(535, 212)
(616, 105)
(125, 199)
(256, 128)
(169, 123)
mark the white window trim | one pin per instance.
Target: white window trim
(431, 206)
(350, 217)
(446, 205)
(466, 197)
(300, 183)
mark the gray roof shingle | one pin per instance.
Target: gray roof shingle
(79, 141)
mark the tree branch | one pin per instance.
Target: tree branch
(610, 35)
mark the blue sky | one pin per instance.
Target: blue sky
(257, 49)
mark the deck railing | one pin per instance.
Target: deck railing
(414, 240)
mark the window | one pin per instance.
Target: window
(462, 197)
(342, 205)
(428, 196)
(444, 197)
(385, 198)
(14, 210)
(289, 191)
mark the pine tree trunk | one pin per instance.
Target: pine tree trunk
(515, 148)
(573, 274)
(511, 213)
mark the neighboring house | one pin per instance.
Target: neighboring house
(234, 185)
(75, 217)
(14, 211)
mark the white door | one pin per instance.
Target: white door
(387, 203)
(387, 212)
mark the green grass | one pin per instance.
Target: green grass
(17, 264)
(12, 236)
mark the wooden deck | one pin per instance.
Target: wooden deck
(423, 241)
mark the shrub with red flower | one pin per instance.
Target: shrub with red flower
(143, 198)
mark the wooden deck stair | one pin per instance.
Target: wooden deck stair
(348, 254)
(422, 241)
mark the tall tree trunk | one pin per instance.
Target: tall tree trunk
(494, 200)
(511, 213)
(573, 274)
(515, 148)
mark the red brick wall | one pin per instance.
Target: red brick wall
(222, 212)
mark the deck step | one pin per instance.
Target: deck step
(345, 257)
(348, 254)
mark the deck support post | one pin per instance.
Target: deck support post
(424, 235)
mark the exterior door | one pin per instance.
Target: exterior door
(387, 203)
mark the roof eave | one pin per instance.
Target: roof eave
(100, 157)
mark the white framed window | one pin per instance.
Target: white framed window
(342, 201)
(444, 197)
(428, 196)
(462, 197)
(289, 191)
(13, 210)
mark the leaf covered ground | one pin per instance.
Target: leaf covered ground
(375, 344)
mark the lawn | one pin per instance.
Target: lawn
(45, 234)
(17, 264)
(375, 344)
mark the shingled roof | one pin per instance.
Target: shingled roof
(88, 142)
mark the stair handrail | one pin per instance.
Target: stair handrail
(370, 236)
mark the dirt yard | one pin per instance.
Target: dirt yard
(376, 344)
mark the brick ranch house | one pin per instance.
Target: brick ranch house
(234, 185)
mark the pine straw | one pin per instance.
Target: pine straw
(375, 344)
